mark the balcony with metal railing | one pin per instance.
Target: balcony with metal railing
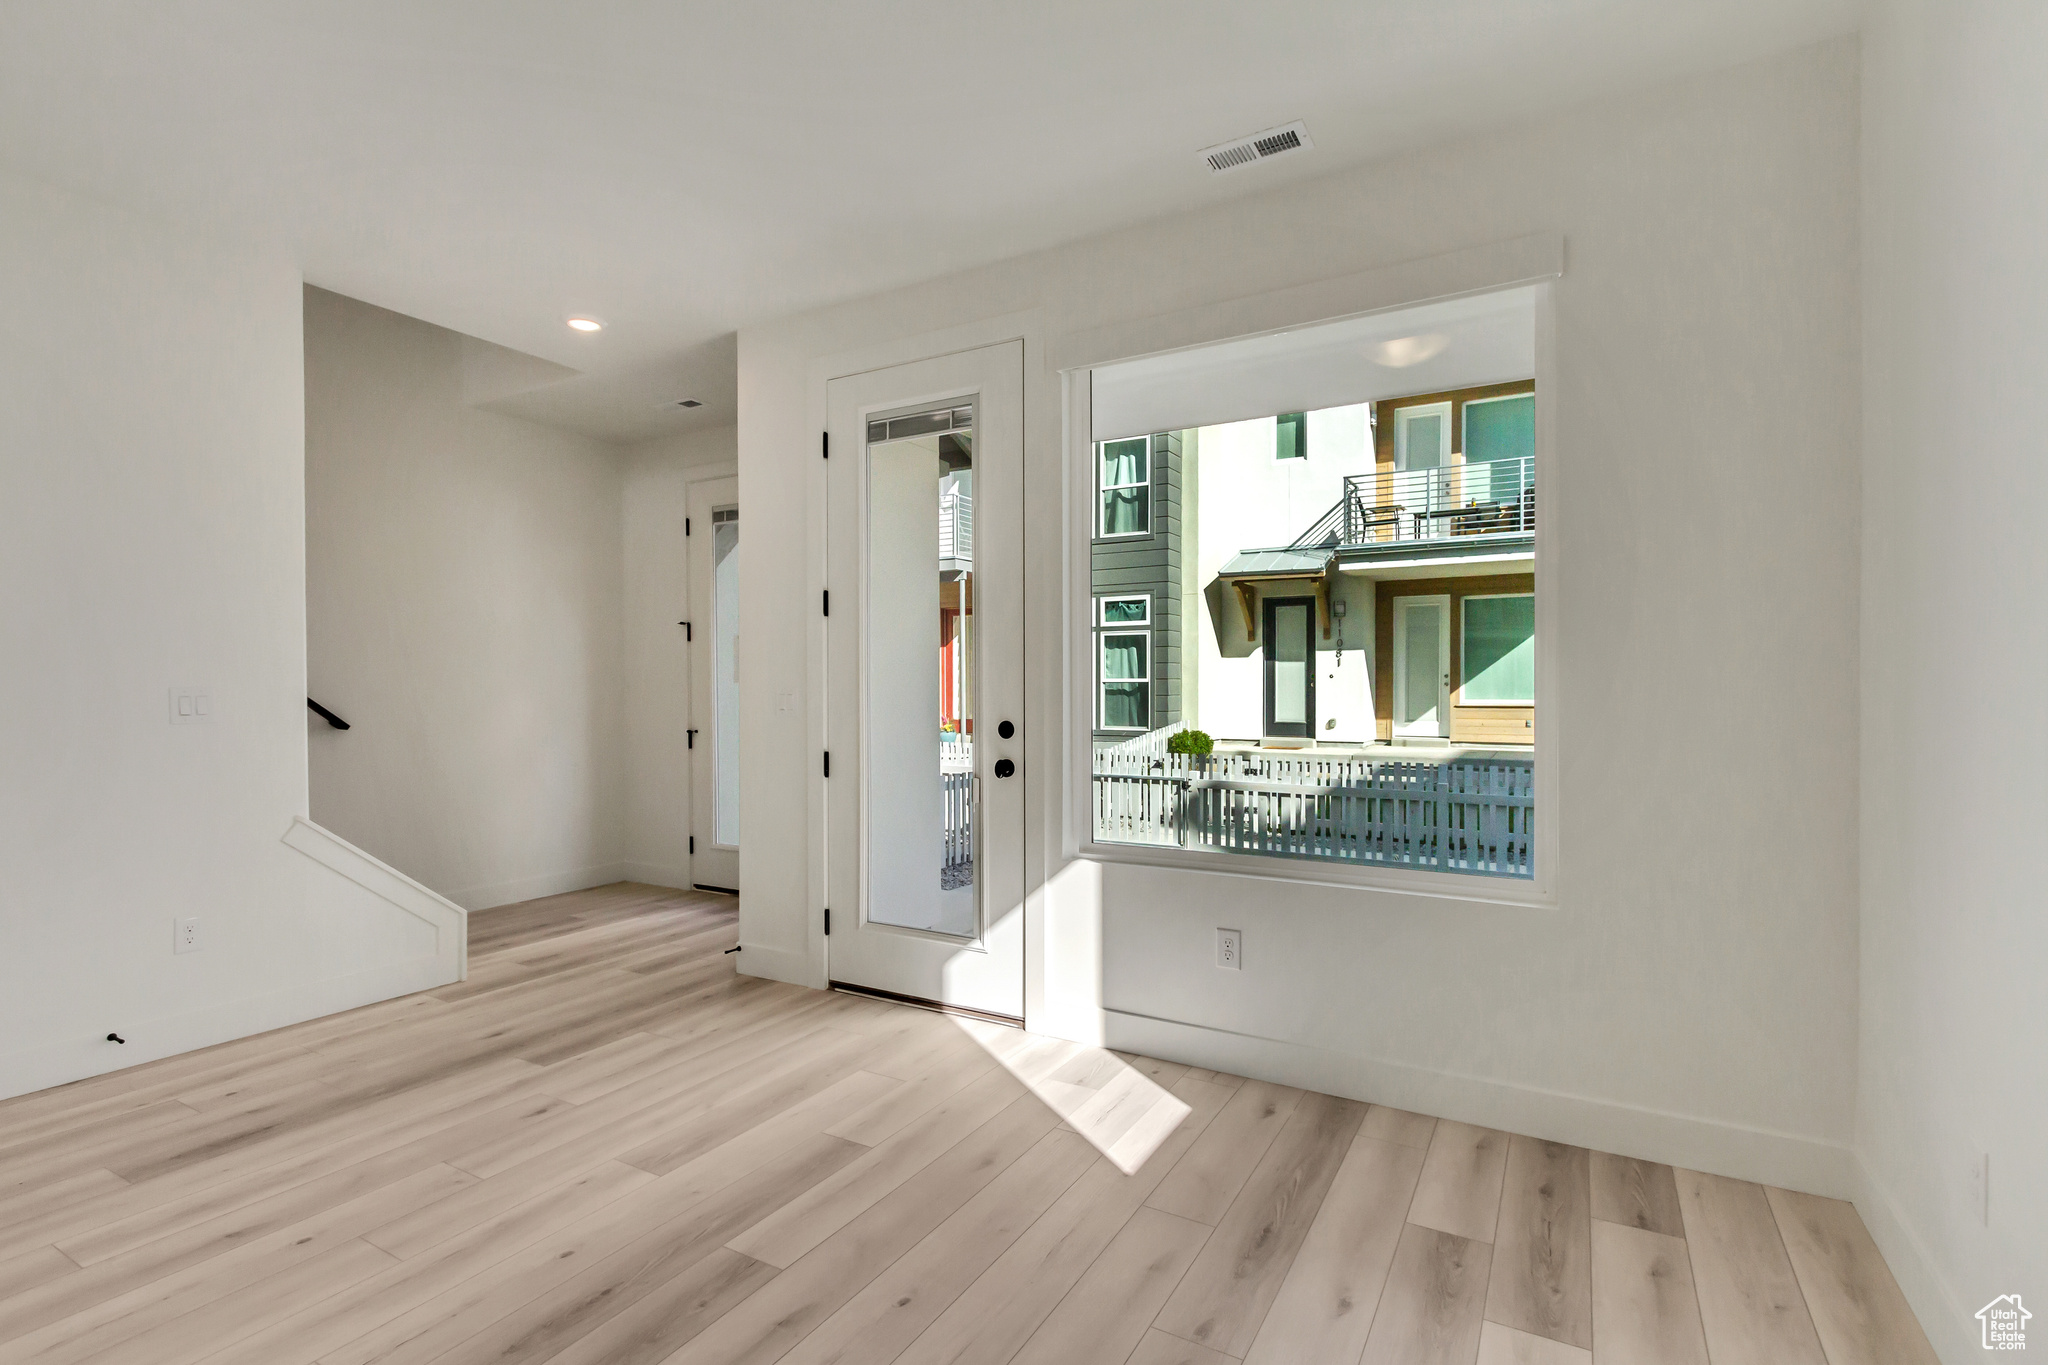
(1421, 513)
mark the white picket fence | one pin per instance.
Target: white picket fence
(1466, 816)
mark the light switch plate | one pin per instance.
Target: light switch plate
(1230, 949)
(191, 706)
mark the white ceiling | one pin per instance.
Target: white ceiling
(1452, 344)
(681, 170)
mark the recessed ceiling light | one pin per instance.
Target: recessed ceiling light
(586, 324)
(1401, 352)
(688, 403)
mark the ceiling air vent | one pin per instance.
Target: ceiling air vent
(1230, 156)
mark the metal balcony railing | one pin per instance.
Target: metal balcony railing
(1495, 498)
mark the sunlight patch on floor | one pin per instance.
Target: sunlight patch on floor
(1123, 1113)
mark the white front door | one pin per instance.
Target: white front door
(714, 632)
(1422, 667)
(925, 653)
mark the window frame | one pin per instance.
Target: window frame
(1534, 264)
(1103, 600)
(1464, 655)
(1102, 489)
(1102, 680)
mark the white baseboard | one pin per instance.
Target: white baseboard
(450, 921)
(168, 1035)
(655, 874)
(1812, 1165)
(1951, 1327)
(493, 894)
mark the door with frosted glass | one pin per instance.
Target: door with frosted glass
(1422, 455)
(1290, 650)
(924, 717)
(1422, 667)
(711, 639)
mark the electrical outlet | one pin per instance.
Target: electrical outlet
(186, 939)
(1230, 949)
(1980, 1189)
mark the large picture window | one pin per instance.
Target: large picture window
(1328, 653)
(1126, 479)
(1499, 651)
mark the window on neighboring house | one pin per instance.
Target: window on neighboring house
(1499, 651)
(1291, 436)
(1126, 482)
(1500, 448)
(1124, 667)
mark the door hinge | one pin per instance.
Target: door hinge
(828, 763)
(825, 444)
(828, 601)
(686, 526)
(689, 633)
(693, 738)
(693, 838)
(828, 921)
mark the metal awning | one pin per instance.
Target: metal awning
(1248, 568)
(1287, 563)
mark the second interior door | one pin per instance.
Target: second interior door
(925, 857)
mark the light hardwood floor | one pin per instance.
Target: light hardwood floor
(606, 1148)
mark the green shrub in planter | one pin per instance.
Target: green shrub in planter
(1195, 742)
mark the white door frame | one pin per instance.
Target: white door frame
(713, 865)
(1441, 729)
(984, 974)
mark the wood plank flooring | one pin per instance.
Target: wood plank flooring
(606, 1148)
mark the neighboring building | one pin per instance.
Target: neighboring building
(1140, 582)
(1364, 574)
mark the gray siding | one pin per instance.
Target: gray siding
(1151, 564)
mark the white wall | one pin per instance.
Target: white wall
(1954, 1057)
(657, 476)
(152, 521)
(463, 574)
(1691, 995)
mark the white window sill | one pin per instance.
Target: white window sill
(1472, 888)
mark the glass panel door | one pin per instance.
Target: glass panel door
(1290, 667)
(923, 765)
(920, 607)
(711, 643)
